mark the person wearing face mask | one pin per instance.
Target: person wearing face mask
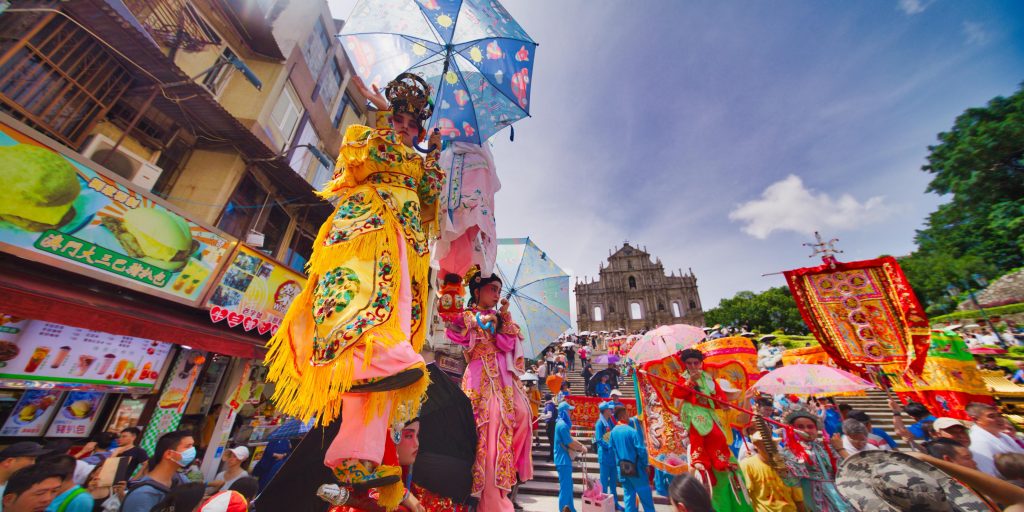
(174, 451)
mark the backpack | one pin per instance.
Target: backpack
(67, 501)
(147, 483)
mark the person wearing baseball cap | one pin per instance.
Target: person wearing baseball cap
(15, 457)
(565, 449)
(233, 460)
(952, 428)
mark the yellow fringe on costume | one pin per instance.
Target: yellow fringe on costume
(361, 238)
(390, 496)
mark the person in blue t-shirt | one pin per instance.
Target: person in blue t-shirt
(565, 449)
(605, 457)
(602, 388)
(922, 427)
(628, 445)
(70, 497)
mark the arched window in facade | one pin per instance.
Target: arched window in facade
(676, 310)
(693, 305)
(598, 314)
(661, 306)
(636, 312)
(632, 283)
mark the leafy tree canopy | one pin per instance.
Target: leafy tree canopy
(763, 312)
(979, 163)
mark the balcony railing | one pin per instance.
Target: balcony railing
(174, 23)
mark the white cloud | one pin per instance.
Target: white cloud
(787, 205)
(975, 32)
(912, 7)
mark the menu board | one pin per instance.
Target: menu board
(31, 414)
(77, 414)
(79, 358)
(64, 210)
(127, 414)
(254, 292)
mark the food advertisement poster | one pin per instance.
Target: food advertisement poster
(76, 414)
(127, 414)
(61, 211)
(72, 357)
(175, 396)
(254, 292)
(31, 414)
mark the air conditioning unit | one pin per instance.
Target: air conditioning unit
(122, 162)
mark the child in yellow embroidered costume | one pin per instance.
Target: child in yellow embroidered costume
(350, 343)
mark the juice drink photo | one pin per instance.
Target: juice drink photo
(38, 356)
(62, 354)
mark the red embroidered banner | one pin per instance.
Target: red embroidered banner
(863, 313)
(585, 414)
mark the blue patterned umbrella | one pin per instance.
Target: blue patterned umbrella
(478, 59)
(538, 292)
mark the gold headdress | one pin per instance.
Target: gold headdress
(409, 94)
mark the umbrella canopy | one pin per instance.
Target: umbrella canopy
(475, 56)
(664, 341)
(810, 379)
(607, 359)
(529, 377)
(987, 351)
(568, 344)
(613, 380)
(537, 290)
(293, 428)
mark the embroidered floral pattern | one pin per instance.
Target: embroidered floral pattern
(392, 178)
(355, 215)
(333, 293)
(327, 348)
(491, 385)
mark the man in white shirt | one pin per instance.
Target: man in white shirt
(987, 438)
(855, 438)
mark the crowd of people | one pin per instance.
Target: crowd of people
(112, 474)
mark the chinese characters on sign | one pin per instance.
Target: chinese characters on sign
(254, 292)
(76, 414)
(100, 228)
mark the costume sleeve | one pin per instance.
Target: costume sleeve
(429, 190)
(383, 119)
(458, 329)
(355, 148)
(682, 390)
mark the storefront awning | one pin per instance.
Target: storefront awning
(32, 291)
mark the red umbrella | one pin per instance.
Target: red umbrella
(981, 351)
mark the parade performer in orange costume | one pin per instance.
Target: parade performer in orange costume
(492, 344)
(709, 450)
(349, 345)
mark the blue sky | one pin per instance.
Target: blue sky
(720, 135)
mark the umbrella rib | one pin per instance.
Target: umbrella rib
(514, 101)
(472, 107)
(526, 246)
(404, 36)
(524, 285)
(527, 326)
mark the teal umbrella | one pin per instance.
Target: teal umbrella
(537, 290)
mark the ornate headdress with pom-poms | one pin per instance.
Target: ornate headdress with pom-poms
(474, 280)
(410, 94)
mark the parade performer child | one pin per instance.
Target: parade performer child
(492, 346)
(709, 451)
(349, 345)
(605, 455)
(810, 464)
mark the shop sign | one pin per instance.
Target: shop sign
(31, 414)
(450, 364)
(254, 292)
(174, 397)
(77, 414)
(62, 356)
(62, 209)
(127, 414)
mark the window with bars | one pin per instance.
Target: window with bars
(346, 103)
(316, 48)
(56, 77)
(330, 83)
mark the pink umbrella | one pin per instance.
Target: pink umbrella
(810, 379)
(665, 341)
(987, 351)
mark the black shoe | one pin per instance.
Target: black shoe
(397, 381)
(517, 506)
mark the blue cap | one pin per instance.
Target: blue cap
(565, 406)
(606, 406)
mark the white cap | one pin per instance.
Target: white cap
(615, 392)
(241, 452)
(944, 423)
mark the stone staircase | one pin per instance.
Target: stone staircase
(545, 477)
(875, 403)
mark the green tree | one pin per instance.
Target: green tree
(763, 312)
(930, 272)
(979, 163)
